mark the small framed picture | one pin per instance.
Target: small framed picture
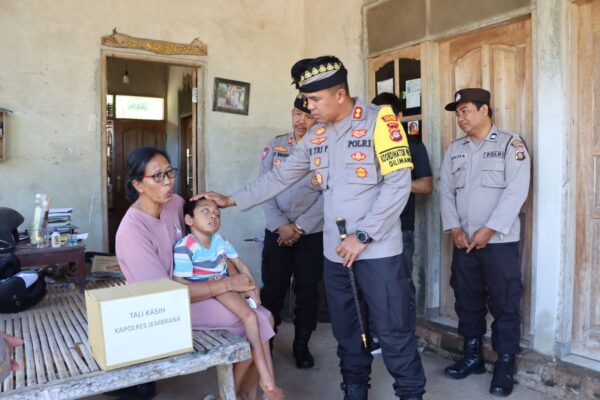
(231, 96)
(413, 128)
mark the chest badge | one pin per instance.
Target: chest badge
(358, 156)
(317, 161)
(318, 140)
(277, 162)
(358, 112)
(358, 133)
(361, 172)
(281, 149)
(320, 131)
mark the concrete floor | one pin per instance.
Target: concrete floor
(322, 382)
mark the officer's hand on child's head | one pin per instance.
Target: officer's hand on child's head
(221, 200)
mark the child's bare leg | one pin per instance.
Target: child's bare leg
(237, 305)
(240, 370)
(249, 386)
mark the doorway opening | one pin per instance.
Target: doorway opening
(147, 101)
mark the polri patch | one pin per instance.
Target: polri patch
(520, 155)
(264, 153)
(493, 154)
(395, 135)
(317, 179)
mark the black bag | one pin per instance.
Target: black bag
(15, 296)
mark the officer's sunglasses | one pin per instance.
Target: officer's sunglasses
(158, 177)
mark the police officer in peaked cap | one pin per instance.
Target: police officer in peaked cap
(357, 155)
(484, 181)
(293, 239)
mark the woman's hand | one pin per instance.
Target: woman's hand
(241, 283)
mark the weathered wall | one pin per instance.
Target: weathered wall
(51, 79)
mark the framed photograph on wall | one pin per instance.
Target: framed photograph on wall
(231, 96)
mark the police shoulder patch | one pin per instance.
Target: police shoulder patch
(391, 145)
(265, 152)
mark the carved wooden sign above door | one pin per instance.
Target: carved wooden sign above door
(195, 47)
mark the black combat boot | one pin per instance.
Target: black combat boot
(502, 382)
(355, 391)
(300, 348)
(471, 363)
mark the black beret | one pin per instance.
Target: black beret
(301, 104)
(314, 74)
(470, 94)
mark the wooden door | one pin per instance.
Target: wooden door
(129, 134)
(497, 59)
(586, 303)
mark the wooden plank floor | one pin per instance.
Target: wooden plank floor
(56, 360)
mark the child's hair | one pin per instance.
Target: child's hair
(190, 205)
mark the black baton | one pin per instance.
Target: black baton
(341, 224)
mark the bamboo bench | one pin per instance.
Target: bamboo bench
(56, 362)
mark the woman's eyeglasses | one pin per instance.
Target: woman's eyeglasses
(160, 176)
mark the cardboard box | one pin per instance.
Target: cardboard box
(131, 324)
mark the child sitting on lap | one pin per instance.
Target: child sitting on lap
(202, 256)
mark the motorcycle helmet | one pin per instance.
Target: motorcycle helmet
(9, 222)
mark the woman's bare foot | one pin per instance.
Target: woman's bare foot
(275, 393)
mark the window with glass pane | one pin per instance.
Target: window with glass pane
(137, 107)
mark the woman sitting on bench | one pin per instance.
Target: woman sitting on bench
(144, 247)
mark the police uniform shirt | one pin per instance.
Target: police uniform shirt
(485, 184)
(302, 203)
(364, 180)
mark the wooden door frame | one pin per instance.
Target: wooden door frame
(195, 62)
(427, 53)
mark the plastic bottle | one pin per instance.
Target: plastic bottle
(40, 221)
(55, 239)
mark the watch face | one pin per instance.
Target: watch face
(362, 237)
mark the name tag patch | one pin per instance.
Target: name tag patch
(493, 154)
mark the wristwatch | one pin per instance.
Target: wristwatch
(363, 237)
(299, 228)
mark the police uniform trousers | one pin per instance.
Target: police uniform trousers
(489, 277)
(387, 293)
(304, 261)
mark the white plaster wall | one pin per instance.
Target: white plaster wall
(50, 78)
(335, 28)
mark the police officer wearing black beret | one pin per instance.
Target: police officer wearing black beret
(293, 239)
(358, 156)
(484, 181)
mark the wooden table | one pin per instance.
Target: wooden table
(56, 362)
(32, 256)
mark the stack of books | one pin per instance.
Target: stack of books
(60, 218)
